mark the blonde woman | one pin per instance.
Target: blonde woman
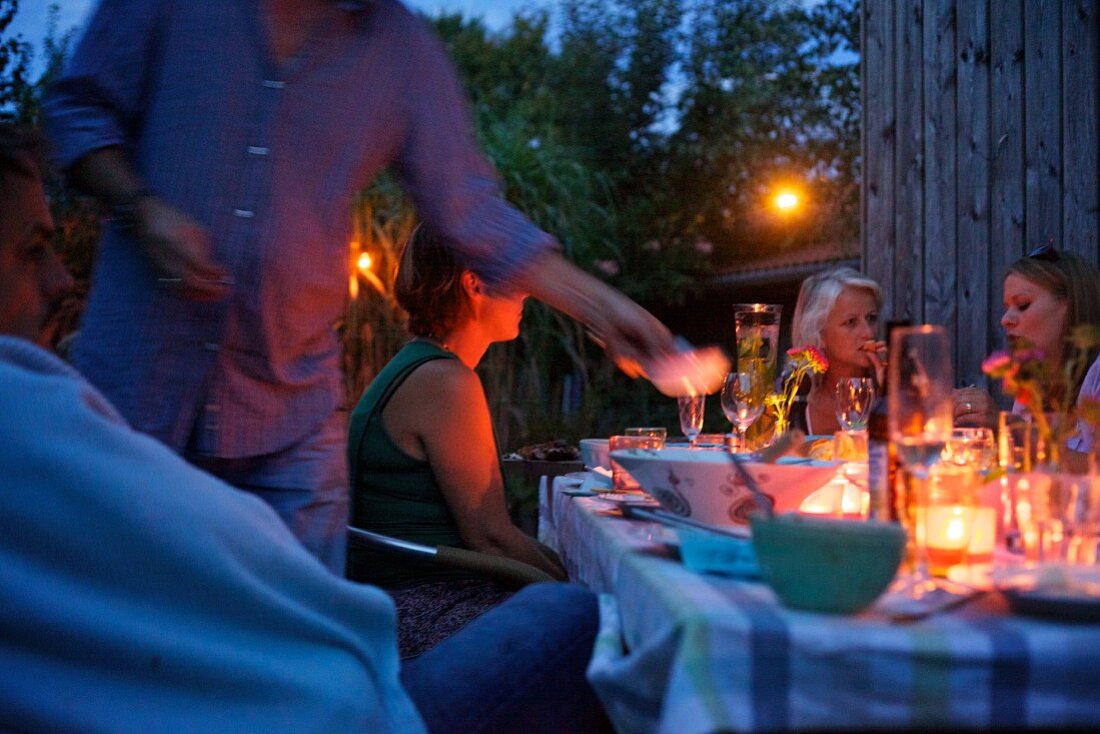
(837, 312)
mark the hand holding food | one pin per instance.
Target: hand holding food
(876, 354)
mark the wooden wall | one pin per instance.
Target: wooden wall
(979, 143)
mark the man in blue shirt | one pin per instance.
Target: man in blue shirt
(141, 594)
(229, 139)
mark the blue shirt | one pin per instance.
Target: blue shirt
(269, 158)
(142, 595)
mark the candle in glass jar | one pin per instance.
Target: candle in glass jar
(947, 530)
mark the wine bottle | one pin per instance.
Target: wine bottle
(882, 455)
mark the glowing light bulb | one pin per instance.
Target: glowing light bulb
(786, 200)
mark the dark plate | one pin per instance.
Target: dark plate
(1064, 606)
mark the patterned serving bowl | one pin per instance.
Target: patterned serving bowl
(704, 485)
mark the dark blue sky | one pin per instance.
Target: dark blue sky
(31, 18)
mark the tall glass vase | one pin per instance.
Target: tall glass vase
(756, 331)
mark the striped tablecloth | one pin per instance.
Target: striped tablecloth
(702, 653)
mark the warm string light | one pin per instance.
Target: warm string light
(363, 267)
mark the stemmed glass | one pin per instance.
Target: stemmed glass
(743, 400)
(973, 447)
(691, 416)
(920, 423)
(854, 398)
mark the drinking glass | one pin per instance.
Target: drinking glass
(743, 400)
(920, 409)
(691, 416)
(973, 447)
(621, 480)
(854, 398)
(919, 417)
(660, 433)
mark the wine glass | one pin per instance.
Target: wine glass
(743, 400)
(974, 447)
(854, 398)
(691, 416)
(919, 417)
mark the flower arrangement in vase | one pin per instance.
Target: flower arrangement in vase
(802, 361)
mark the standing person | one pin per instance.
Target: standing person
(837, 312)
(228, 138)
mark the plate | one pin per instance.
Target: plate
(628, 498)
(1062, 605)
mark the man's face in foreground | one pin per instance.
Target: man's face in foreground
(32, 278)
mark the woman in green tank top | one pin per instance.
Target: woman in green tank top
(424, 462)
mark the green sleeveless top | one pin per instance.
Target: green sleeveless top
(393, 493)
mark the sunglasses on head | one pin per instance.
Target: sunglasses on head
(1045, 252)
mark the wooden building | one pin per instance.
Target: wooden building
(979, 143)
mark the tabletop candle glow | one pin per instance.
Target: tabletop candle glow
(947, 530)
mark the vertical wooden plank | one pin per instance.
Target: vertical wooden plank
(939, 195)
(1081, 56)
(909, 209)
(878, 143)
(1007, 223)
(1043, 120)
(973, 255)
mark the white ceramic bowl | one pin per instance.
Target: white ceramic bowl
(595, 453)
(704, 485)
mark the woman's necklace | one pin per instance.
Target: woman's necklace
(436, 341)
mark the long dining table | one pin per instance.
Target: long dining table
(685, 652)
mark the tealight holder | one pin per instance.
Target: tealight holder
(952, 525)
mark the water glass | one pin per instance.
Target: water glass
(1017, 442)
(920, 414)
(742, 400)
(920, 384)
(692, 408)
(1059, 517)
(621, 481)
(974, 447)
(657, 432)
(855, 397)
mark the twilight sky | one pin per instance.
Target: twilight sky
(31, 18)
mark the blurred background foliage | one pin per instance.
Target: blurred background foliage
(647, 135)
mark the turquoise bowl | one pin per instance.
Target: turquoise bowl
(825, 564)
